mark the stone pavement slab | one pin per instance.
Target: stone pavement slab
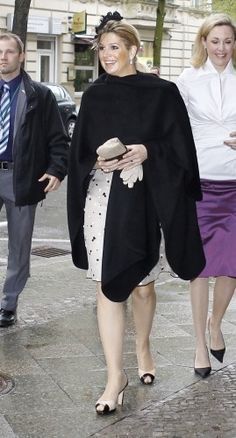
(205, 409)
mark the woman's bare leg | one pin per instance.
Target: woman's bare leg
(199, 289)
(144, 305)
(223, 293)
(111, 327)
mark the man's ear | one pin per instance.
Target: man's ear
(22, 57)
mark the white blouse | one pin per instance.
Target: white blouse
(210, 98)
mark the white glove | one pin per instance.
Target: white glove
(130, 176)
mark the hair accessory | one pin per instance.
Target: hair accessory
(108, 17)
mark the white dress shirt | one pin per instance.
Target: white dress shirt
(210, 98)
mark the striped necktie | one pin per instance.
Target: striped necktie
(5, 108)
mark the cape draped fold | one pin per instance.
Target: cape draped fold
(143, 109)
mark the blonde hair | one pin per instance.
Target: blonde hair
(12, 36)
(124, 30)
(199, 56)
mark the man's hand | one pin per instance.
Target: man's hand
(231, 143)
(53, 183)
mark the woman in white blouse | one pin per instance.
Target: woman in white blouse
(209, 91)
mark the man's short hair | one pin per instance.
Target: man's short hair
(12, 36)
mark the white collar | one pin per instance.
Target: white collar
(209, 67)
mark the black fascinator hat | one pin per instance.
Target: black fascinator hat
(115, 16)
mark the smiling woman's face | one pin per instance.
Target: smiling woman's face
(219, 44)
(114, 55)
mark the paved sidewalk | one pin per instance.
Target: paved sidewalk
(55, 358)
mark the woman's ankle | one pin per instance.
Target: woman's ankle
(115, 383)
(145, 358)
(202, 359)
(214, 324)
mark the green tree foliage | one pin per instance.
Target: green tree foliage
(227, 6)
(158, 33)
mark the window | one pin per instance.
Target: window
(84, 55)
(44, 68)
(46, 60)
(44, 45)
(145, 54)
(84, 66)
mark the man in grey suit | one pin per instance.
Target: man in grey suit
(33, 162)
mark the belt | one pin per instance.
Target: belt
(6, 165)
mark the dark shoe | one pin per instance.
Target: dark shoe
(218, 354)
(202, 372)
(7, 317)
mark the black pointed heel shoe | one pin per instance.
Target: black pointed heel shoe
(218, 354)
(202, 372)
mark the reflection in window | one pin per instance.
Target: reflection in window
(44, 73)
(145, 54)
(44, 45)
(84, 55)
(84, 66)
(83, 78)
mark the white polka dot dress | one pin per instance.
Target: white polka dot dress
(94, 220)
(94, 224)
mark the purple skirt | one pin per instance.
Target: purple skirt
(217, 222)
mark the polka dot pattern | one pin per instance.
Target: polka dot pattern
(94, 224)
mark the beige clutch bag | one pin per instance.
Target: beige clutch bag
(112, 148)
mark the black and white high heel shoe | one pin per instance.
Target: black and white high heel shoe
(105, 407)
(147, 377)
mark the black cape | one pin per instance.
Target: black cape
(143, 109)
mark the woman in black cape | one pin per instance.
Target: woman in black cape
(117, 207)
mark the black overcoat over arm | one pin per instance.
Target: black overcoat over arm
(40, 142)
(138, 109)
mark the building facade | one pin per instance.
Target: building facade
(60, 34)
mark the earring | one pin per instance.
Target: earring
(130, 61)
